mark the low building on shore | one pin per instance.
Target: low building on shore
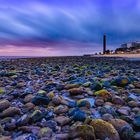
(130, 48)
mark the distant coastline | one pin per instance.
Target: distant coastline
(125, 56)
(122, 56)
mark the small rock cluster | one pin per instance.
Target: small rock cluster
(69, 98)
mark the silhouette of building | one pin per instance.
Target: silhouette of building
(131, 47)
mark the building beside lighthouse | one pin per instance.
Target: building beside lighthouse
(130, 47)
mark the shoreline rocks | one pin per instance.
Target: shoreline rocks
(63, 98)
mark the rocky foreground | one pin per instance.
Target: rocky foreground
(69, 98)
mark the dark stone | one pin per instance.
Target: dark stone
(31, 137)
(96, 86)
(77, 114)
(136, 122)
(36, 116)
(121, 81)
(126, 133)
(40, 100)
(51, 124)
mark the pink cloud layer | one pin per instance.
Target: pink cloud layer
(49, 49)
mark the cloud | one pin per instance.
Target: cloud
(71, 48)
(80, 21)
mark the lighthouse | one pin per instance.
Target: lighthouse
(104, 43)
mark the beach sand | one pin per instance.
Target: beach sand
(123, 56)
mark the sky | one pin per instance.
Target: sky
(66, 27)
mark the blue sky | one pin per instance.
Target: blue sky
(66, 27)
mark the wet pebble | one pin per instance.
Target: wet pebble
(62, 120)
(10, 112)
(40, 100)
(57, 100)
(76, 91)
(4, 104)
(61, 109)
(77, 114)
(104, 130)
(123, 128)
(136, 136)
(86, 132)
(99, 102)
(136, 122)
(123, 111)
(118, 100)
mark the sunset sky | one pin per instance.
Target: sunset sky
(66, 27)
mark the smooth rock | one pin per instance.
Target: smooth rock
(4, 104)
(136, 122)
(136, 109)
(104, 130)
(122, 111)
(104, 94)
(29, 106)
(63, 136)
(28, 90)
(121, 81)
(10, 126)
(57, 100)
(99, 102)
(2, 91)
(96, 86)
(137, 84)
(136, 91)
(107, 109)
(137, 136)
(45, 132)
(25, 137)
(23, 120)
(10, 112)
(40, 100)
(51, 124)
(83, 103)
(132, 103)
(123, 128)
(5, 138)
(36, 116)
(62, 120)
(28, 98)
(118, 100)
(71, 86)
(76, 91)
(107, 117)
(87, 84)
(61, 109)
(86, 132)
(51, 95)
(30, 129)
(77, 114)
(41, 92)
(1, 129)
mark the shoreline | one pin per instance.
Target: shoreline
(116, 56)
(133, 57)
(123, 55)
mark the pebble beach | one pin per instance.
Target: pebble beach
(69, 98)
